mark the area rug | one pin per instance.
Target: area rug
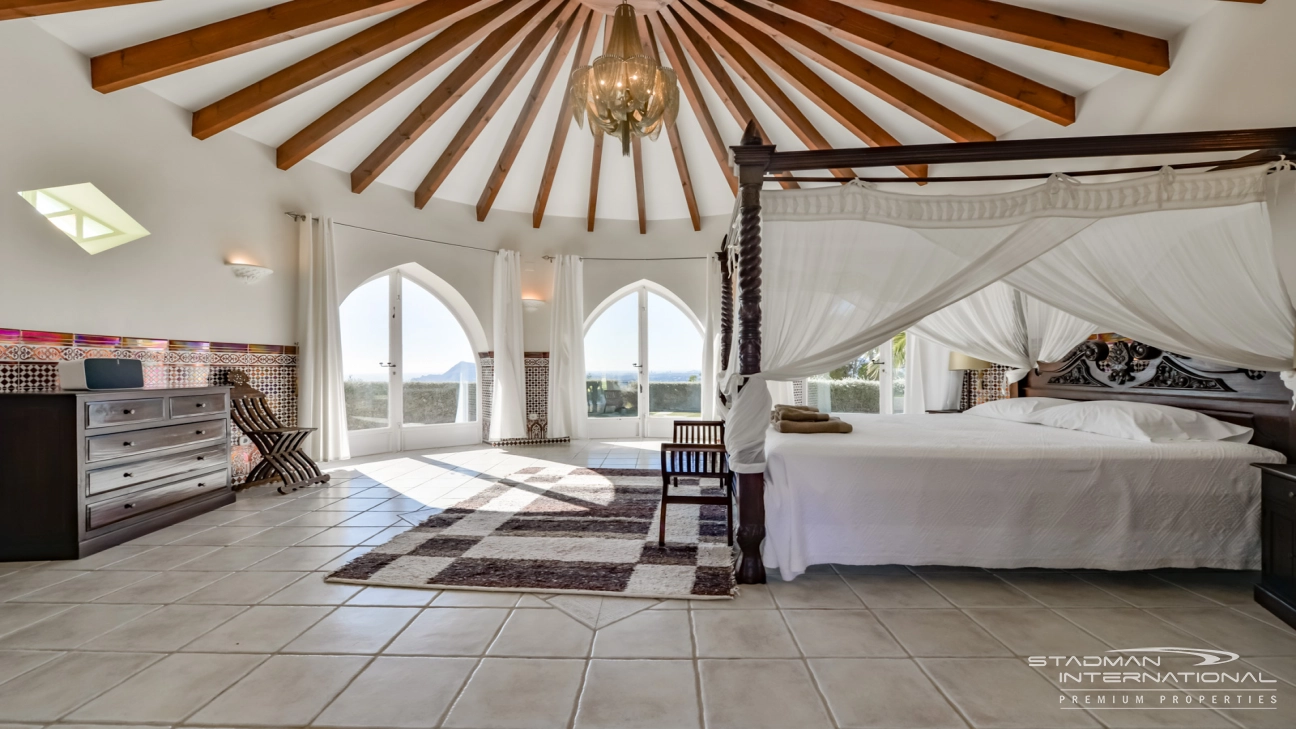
(562, 529)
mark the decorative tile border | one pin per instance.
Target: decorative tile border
(28, 364)
(536, 372)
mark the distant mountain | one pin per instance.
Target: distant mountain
(463, 370)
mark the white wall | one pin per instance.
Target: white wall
(206, 201)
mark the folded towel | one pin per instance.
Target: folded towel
(832, 425)
(782, 412)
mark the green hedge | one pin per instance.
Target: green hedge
(425, 403)
(849, 396)
(608, 399)
(674, 397)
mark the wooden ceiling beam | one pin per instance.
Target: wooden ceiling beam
(548, 73)
(693, 93)
(855, 68)
(759, 81)
(369, 44)
(1051, 32)
(584, 54)
(716, 75)
(188, 49)
(672, 135)
(921, 52)
(596, 168)
(408, 71)
(507, 79)
(636, 154)
(483, 58)
(17, 9)
(802, 77)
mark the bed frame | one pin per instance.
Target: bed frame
(757, 163)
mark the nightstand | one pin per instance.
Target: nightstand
(939, 412)
(1277, 589)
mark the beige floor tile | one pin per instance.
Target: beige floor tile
(542, 634)
(940, 633)
(392, 597)
(313, 590)
(649, 634)
(814, 591)
(841, 634)
(163, 588)
(1002, 694)
(1228, 588)
(319, 518)
(1230, 631)
(449, 632)
(977, 590)
(760, 694)
(475, 598)
(882, 693)
(1059, 589)
(1125, 627)
(344, 559)
(1254, 610)
(272, 518)
(229, 559)
(342, 536)
(221, 536)
(74, 627)
(16, 663)
(1031, 632)
(283, 691)
(28, 581)
(1162, 717)
(584, 608)
(298, 559)
(639, 695)
(86, 587)
(280, 536)
(353, 630)
(518, 693)
(378, 519)
(743, 634)
(16, 616)
(169, 690)
(1283, 667)
(52, 690)
(166, 629)
(170, 534)
(160, 558)
(750, 597)
(261, 629)
(381, 696)
(99, 560)
(871, 569)
(895, 591)
(1142, 590)
(244, 588)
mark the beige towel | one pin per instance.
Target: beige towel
(832, 425)
(787, 412)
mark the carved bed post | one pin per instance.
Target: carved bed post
(752, 159)
(726, 304)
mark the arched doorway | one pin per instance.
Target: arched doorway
(643, 361)
(409, 362)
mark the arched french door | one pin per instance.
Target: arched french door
(409, 365)
(643, 361)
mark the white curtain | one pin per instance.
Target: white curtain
(711, 340)
(567, 405)
(862, 265)
(508, 388)
(321, 402)
(929, 383)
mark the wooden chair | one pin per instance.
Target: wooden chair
(691, 460)
(707, 432)
(282, 458)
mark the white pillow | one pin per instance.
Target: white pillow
(1017, 409)
(1141, 421)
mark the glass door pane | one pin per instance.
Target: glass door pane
(365, 352)
(674, 361)
(855, 387)
(438, 365)
(612, 361)
(898, 373)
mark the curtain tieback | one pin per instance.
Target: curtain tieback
(1166, 177)
(1282, 165)
(1289, 379)
(1059, 186)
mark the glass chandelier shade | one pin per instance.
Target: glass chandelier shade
(624, 92)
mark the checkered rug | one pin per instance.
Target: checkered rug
(562, 529)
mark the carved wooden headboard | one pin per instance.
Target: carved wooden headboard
(1126, 370)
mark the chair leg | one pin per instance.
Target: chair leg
(661, 532)
(728, 487)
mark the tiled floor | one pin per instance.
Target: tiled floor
(225, 621)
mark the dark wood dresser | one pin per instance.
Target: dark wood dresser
(1277, 588)
(83, 471)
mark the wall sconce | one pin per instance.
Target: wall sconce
(532, 304)
(248, 273)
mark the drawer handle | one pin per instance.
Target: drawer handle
(202, 458)
(128, 474)
(1291, 494)
(200, 404)
(130, 411)
(128, 506)
(201, 484)
(199, 432)
(128, 443)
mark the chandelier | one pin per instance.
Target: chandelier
(625, 92)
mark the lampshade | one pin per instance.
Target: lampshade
(960, 361)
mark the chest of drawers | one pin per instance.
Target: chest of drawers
(83, 471)
(1277, 588)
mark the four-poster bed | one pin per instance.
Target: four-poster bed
(756, 162)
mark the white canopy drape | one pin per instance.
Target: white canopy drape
(711, 339)
(567, 406)
(863, 264)
(508, 388)
(929, 383)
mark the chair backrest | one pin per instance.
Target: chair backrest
(687, 459)
(249, 408)
(708, 432)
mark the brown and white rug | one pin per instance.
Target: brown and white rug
(562, 529)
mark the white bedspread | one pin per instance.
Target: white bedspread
(947, 489)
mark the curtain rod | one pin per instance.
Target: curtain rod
(676, 258)
(1250, 161)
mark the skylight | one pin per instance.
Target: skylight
(86, 215)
